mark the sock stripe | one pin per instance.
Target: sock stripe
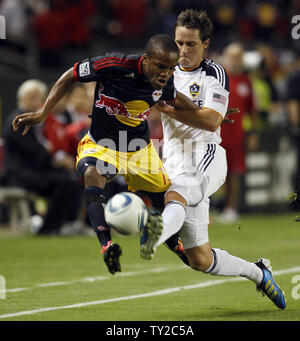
(175, 202)
(214, 263)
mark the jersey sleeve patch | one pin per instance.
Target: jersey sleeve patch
(219, 98)
(84, 69)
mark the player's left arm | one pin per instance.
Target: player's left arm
(185, 111)
(215, 106)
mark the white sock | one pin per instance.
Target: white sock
(173, 218)
(225, 264)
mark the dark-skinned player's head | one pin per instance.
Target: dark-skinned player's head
(160, 58)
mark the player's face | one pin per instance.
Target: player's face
(190, 46)
(159, 68)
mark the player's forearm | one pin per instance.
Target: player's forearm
(185, 111)
(59, 89)
(205, 119)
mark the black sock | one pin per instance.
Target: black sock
(94, 198)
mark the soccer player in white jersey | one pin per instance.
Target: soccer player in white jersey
(196, 163)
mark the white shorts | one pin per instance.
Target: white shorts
(211, 163)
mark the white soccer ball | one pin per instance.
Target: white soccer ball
(126, 213)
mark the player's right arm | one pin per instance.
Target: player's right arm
(88, 70)
(59, 89)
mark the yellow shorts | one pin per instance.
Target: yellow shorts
(142, 170)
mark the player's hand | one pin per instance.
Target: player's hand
(27, 120)
(230, 111)
(167, 109)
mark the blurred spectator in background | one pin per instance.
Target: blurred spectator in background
(129, 18)
(225, 17)
(50, 29)
(62, 24)
(266, 21)
(293, 107)
(234, 138)
(66, 124)
(83, 104)
(273, 75)
(80, 16)
(29, 165)
(78, 102)
(54, 29)
(263, 86)
(163, 17)
(76, 130)
(52, 134)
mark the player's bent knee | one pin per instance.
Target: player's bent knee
(199, 260)
(174, 196)
(198, 266)
(93, 178)
(90, 172)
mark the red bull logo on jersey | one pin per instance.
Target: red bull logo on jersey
(136, 110)
(112, 106)
(143, 115)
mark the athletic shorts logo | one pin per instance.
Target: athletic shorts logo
(84, 69)
(89, 151)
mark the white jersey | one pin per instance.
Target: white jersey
(207, 87)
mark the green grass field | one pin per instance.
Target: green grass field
(65, 279)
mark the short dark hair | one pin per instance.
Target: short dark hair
(162, 42)
(193, 19)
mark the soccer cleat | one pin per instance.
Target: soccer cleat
(111, 254)
(268, 285)
(150, 234)
(174, 244)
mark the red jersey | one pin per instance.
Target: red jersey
(64, 136)
(74, 133)
(54, 130)
(241, 96)
(232, 134)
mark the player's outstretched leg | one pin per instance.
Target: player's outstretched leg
(111, 254)
(268, 285)
(150, 234)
